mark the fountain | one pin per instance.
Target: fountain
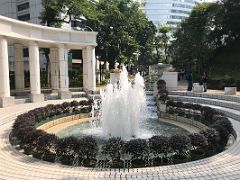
(124, 110)
(123, 106)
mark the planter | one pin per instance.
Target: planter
(114, 78)
(230, 90)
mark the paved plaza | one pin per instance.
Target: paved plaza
(16, 165)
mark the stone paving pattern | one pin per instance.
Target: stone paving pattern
(17, 166)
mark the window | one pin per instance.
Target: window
(177, 17)
(173, 23)
(25, 17)
(182, 6)
(25, 52)
(22, 7)
(179, 11)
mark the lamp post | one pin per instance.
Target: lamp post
(137, 53)
(101, 68)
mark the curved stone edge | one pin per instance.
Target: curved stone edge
(15, 165)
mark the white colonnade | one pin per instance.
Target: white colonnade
(22, 34)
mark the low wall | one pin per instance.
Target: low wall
(190, 125)
(56, 125)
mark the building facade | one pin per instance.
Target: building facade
(168, 12)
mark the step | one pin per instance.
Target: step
(79, 94)
(209, 101)
(232, 98)
(22, 100)
(77, 89)
(229, 112)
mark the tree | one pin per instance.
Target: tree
(123, 29)
(231, 16)
(162, 41)
(192, 48)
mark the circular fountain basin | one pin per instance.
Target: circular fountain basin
(147, 129)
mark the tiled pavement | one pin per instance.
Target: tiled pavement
(15, 165)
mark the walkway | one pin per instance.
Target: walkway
(15, 165)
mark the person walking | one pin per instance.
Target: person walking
(190, 81)
(204, 81)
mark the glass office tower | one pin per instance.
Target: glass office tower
(168, 12)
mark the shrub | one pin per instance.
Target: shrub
(179, 104)
(162, 91)
(208, 113)
(179, 143)
(74, 103)
(138, 148)
(50, 110)
(229, 81)
(224, 122)
(161, 84)
(170, 103)
(212, 137)
(198, 141)
(89, 147)
(47, 143)
(113, 147)
(66, 146)
(223, 133)
(158, 145)
(59, 109)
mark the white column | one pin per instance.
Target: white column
(54, 64)
(34, 67)
(85, 68)
(64, 92)
(19, 68)
(5, 99)
(89, 60)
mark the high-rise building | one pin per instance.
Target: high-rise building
(168, 12)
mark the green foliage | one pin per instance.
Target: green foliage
(123, 30)
(113, 147)
(211, 32)
(198, 141)
(158, 145)
(138, 148)
(179, 143)
(162, 41)
(229, 81)
(191, 48)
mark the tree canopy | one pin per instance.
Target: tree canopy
(123, 29)
(211, 31)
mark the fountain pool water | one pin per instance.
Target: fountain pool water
(125, 112)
